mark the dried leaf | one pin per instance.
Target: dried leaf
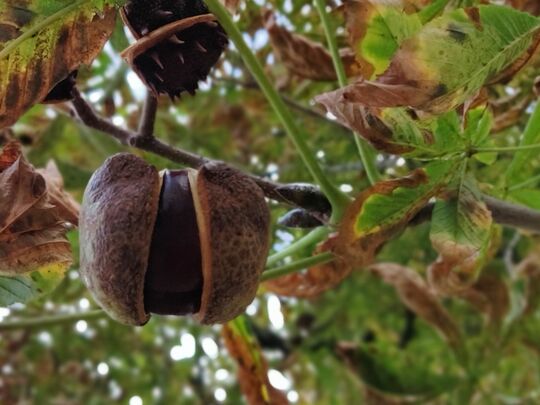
(67, 207)
(416, 295)
(232, 5)
(41, 43)
(450, 59)
(530, 6)
(382, 211)
(363, 120)
(460, 233)
(300, 55)
(489, 295)
(33, 217)
(529, 268)
(316, 279)
(252, 366)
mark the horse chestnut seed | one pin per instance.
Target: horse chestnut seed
(177, 242)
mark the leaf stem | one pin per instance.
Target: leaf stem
(363, 148)
(297, 266)
(311, 238)
(337, 199)
(508, 148)
(46, 321)
(532, 180)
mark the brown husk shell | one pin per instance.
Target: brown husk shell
(233, 223)
(116, 223)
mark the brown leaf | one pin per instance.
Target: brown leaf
(33, 215)
(530, 6)
(510, 113)
(417, 296)
(252, 369)
(67, 207)
(362, 120)
(315, 280)
(232, 5)
(63, 47)
(529, 268)
(299, 54)
(489, 295)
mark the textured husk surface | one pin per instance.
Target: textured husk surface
(116, 223)
(234, 230)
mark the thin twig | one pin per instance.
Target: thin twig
(502, 212)
(88, 116)
(148, 117)
(47, 321)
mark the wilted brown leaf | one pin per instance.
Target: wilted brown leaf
(67, 207)
(509, 114)
(530, 6)
(362, 120)
(529, 268)
(232, 5)
(300, 55)
(31, 65)
(417, 296)
(34, 212)
(489, 295)
(252, 368)
(316, 279)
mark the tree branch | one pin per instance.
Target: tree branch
(47, 321)
(504, 213)
(148, 142)
(148, 116)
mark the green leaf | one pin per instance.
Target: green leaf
(528, 197)
(382, 211)
(514, 175)
(450, 59)
(392, 371)
(26, 287)
(476, 134)
(119, 39)
(460, 233)
(376, 30)
(431, 137)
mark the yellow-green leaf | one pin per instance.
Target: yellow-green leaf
(42, 42)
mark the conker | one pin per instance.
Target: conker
(177, 242)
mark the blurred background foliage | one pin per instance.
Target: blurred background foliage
(94, 360)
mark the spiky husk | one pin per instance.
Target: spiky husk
(176, 64)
